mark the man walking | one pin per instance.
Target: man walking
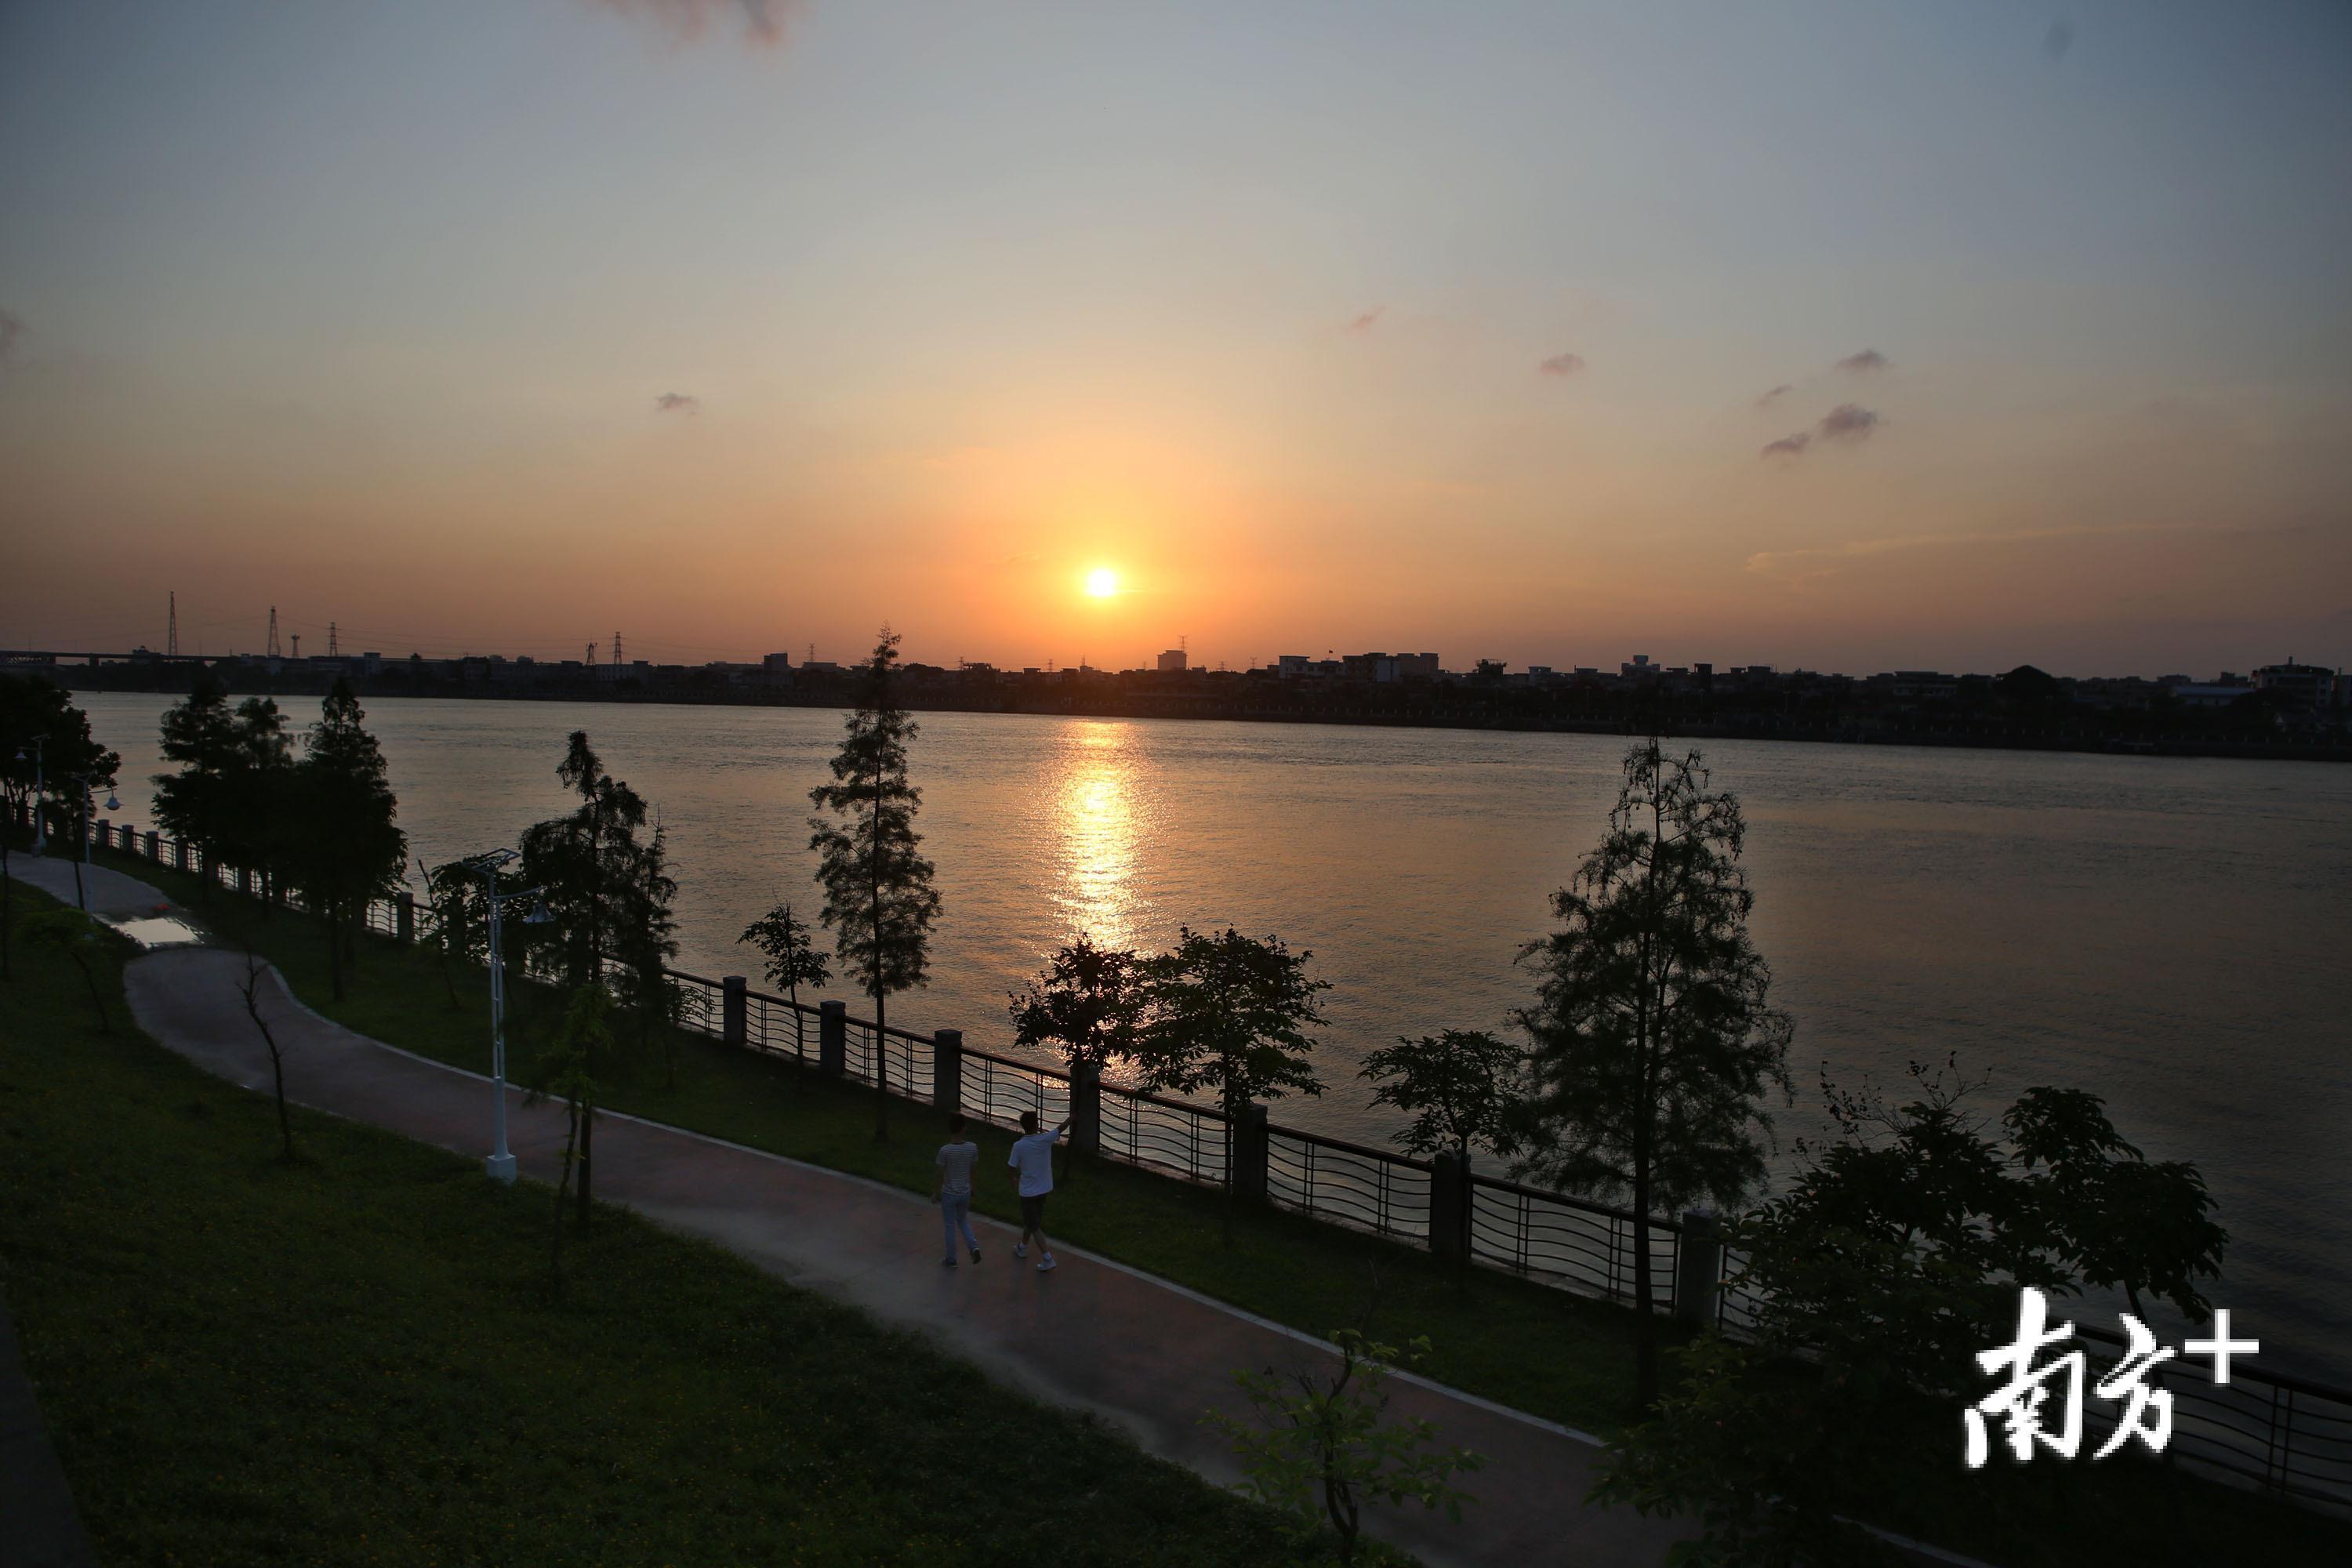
(953, 1189)
(1032, 1164)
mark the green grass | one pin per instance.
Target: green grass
(1535, 1349)
(357, 1359)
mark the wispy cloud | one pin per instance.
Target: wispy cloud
(686, 20)
(1774, 395)
(1787, 445)
(1562, 365)
(2058, 39)
(1802, 565)
(1864, 362)
(678, 402)
(1847, 422)
(11, 329)
(1363, 324)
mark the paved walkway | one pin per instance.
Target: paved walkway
(112, 895)
(1135, 1350)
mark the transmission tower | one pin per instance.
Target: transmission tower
(617, 650)
(811, 656)
(592, 656)
(332, 651)
(296, 638)
(171, 629)
(273, 631)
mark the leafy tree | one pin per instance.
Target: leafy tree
(37, 716)
(347, 846)
(1087, 1004)
(583, 1044)
(609, 891)
(878, 897)
(1228, 1016)
(1897, 1255)
(793, 960)
(259, 803)
(1323, 1446)
(1456, 1087)
(1652, 1041)
(200, 734)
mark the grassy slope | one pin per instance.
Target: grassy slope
(356, 1358)
(1526, 1346)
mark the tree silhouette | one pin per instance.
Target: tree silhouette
(348, 847)
(199, 734)
(38, 718)
(793, 960)
(1652, 1041)
(878, 897)
(1456, 1087)
(1087, 1004)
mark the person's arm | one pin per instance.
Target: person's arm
(938, 1174)
(1065, 1127)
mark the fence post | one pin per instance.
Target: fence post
(947, 1070)
(1699, 1268)
(244, 881)
(103, 830)
(403, 916)
(180, 855)
(155, 847)
(831, 1038)
(1249, 1154)
(1449, 1206)
(1086, 1107)
(734, 1010)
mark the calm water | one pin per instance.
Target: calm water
(2171, 934)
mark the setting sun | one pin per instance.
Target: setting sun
(1102, 582)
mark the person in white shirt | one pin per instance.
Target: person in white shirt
(1032, 1164)
(953, 1189)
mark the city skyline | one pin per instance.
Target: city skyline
(1840, 338)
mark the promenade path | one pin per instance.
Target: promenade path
(1144, 1354)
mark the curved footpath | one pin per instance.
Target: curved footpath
(1094, 1334)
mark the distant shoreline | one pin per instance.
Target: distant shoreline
(1108, 697)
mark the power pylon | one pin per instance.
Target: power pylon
(273, 631)
(592, 656)
(332, 651)
(617, 650)
(171, 629)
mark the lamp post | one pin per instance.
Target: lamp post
(40, 822)
(500, 1163)
(89, 811)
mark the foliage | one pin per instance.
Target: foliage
(1653, 1039)
(794, 961)
(346, 846)
(38, 718)
(878, 897)
(259, 795)
(581, 1046)
(200, 736)
(1088, 1002)
(1896, 1259)
(1456, 1087)
(1323, 1446)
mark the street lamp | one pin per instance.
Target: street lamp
(40, 822)
(500, 1163)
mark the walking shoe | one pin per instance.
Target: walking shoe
(1019, 1249)
(950, 1262)
(1045, 1263)
(975, 1254)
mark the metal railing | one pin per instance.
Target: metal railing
(2282, 1433)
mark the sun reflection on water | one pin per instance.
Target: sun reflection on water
(1098, 827)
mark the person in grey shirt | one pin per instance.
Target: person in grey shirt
(953, 1189)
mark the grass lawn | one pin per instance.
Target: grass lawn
(1535, 1349)
(358, 1359)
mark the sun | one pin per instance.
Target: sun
(1102, 582)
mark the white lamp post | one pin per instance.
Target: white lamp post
(40, 822)
(500, 1165)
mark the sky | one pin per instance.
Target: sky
(1842, 335)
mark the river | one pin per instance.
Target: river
(2173, 934)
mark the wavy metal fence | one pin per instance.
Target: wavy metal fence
(2275, 1431)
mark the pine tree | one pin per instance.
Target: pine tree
(348, 847)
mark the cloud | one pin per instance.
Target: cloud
(1806, 566)
(678, 402)
(1767, 400)
(1848, 421)
(11, 329)
(1787, 445)
(1363, 324)
(685, 20)
(1866, 361)
(1562, 365)
(2058, 39)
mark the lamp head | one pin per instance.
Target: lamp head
(111, 803)
(539, 915)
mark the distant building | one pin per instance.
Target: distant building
(2304, 686)
(1292, 666)
(776, 663)
(1172, 661)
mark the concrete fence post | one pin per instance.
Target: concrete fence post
(155, 847)
(734, 1010)
(947, 1070)
(831, 1038)
(245, 880)
(183, 854)
(403, 916)
(1249, 1154)
(1699, 1268)
(1086, 1107)
(103, 831)
(1449, 1206)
